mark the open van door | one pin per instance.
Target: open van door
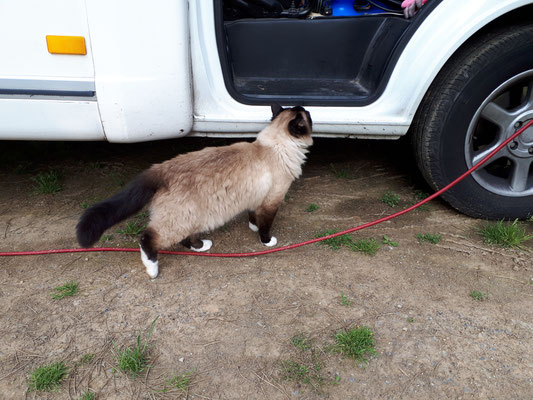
(142, 68)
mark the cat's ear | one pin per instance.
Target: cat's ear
(276, 110)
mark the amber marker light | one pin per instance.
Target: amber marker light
(66, 44)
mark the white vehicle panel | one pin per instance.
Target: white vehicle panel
(142, 68)
(441, 33)
(47, 119)
(24, 25)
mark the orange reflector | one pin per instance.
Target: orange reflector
(66, 44)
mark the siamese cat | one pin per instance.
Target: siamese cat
(202, 190)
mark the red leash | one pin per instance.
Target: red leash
(295, 245)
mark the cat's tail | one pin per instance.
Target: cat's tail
(96, 219)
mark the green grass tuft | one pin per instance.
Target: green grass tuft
(132, 228)
(106, 238)
(419, 196)
(180, 382)
(134, 359)
(312, 207)
(336, 242)
(47, 377)
(433, 238)
(47, 182)
(367, 246)
(345, 301)
(388, 242)
(505, 235)
(356, 343)
(87, 358)
(391, 199)
(88, 396)
(302, 373)
(341, 173)
(67, 290)
(477, 295)
(301, 342)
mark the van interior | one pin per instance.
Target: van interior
(311, 52)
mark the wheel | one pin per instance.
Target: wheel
(481, 97)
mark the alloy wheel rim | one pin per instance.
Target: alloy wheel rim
(510, 172)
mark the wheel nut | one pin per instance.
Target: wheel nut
(513, 145)
(518, 125)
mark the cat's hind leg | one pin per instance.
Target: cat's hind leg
(264, 216)
(149, 249)
(199, 245)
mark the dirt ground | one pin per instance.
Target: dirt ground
(229, 322)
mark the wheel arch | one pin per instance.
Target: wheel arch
(496, 16)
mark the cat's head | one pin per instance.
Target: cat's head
(295, 122)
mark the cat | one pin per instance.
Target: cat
(199, 191)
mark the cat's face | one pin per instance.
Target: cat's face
(295, 121)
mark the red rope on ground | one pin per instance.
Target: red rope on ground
(295, 245)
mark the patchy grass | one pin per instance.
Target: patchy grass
(357, 343)
(410, 320)
(336, 242)
(312, 207)
(47, 183)
(24, 167)
(388, 242)
(87, 358)
(419, 196)
(433, 238)
(391, 199)
(92, 165)
(132, 228)
(179, 382)
(504, 234)
(106, 238)
(345, 301)
(367, 246)
(47, 377)
(301, 342)
(477, 295)
(302, 373)
(134, 359)
(67, 290)
(341, 173)
(88, 396)
(118, 179)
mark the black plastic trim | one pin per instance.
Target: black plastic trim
(47, 92)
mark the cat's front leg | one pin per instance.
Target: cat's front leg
(149, 249)
(252, 221)
(264, 216)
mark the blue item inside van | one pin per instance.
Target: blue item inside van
(344, 8)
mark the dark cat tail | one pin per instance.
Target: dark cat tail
(96, 219)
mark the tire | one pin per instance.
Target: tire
(478, 100)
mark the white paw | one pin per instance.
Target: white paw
(152, 267)
(273, 242)
(253, 227)
(206, 246)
